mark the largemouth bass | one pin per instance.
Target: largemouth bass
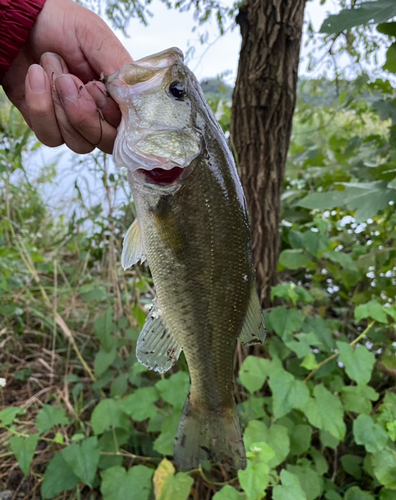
(193, 227)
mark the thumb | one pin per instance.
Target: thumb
(101, 48)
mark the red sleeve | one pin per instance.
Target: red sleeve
(17, 18)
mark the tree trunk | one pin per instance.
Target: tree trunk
(263, 105)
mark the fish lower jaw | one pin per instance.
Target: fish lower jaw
(160, 176)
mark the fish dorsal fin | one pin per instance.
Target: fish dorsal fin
(132, 247)
(157, 348)
(253, 330)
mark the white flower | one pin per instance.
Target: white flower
(3, 382)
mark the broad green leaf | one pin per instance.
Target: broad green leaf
(292, 292)
(372, 310)
(369, 434)
(161, 474)
(386, 494)
(378, 11)
(83, 459)
(107, 414)
(174, 390)
(300, 439)
(8, 415)
(352, 464)
(294, 259)
(315, 242)
(285, 321)
(251, 409)
(288, 393)
(118, 484)
(355, 493)
(320, 461)
(344, 259)
(24, 450)
(309, 362)
(323, 201)
(390, 64)
(387, 28)
(358, 398)
(310, 481)
(119, 386)
(164, 442)
(276, 437)
(49, 416)
(290, 489)
(140, 405)
(58, 477)
(253, 372)
(325, 412)
(103, 359)
(177, 487)
(254, 480)
(303, 346)
(227, 492)
(358, 362)
(384, 465)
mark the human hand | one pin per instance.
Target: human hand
(59, 106)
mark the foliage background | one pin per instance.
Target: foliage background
(82, 419)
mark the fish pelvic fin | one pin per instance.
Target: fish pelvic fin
(132, 247)
(157, 348)
(207, 435)
(253, 329)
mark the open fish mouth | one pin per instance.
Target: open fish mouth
(160, 176)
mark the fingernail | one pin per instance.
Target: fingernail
(36, 78)
(54, 62)
(66, 89)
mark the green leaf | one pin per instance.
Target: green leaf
(174, 390)
(322, 201)
(358, 362)
(300, 439)
(276, 437)
(103, 359)
(378, 12)
(8, 415)
(254, 479)
(103, 328)
(390, 64)
(355, 493)
(107, 414)
(294, 259)
(164, 443)
(303, 346)
(386, 494)
(120, 385)
(140, 405)
(58, 477)
(177, 487)
(290, 489)
(227, 492)
(83, 459)
(369, 434)
(288, 393)
(315, 243)
(118, 484)
(384, 465)
(358, 398)
(285, 321)
(325, 412)
(372, 310)
(253, 372)
(352, 464)
(387, 29)
(309, 362)
(344, 259)
(310, 481)
(24, 450)
(292, 292)
(49, 416)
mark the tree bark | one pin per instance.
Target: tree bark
(263, 105)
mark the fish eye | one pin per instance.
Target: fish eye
(178, 90)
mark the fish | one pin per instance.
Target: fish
(193, 228)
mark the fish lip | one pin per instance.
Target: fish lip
(161, 176)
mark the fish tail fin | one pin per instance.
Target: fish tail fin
(209, 435)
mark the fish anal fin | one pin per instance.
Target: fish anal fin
(157, 348)
(132, 248)
(253, 330)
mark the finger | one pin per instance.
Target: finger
(82, 113)
(42, 119)
(53, 66)
(109, 108)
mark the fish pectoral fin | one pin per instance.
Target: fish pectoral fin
(132, 247)
(253, 329)
(157, 348)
